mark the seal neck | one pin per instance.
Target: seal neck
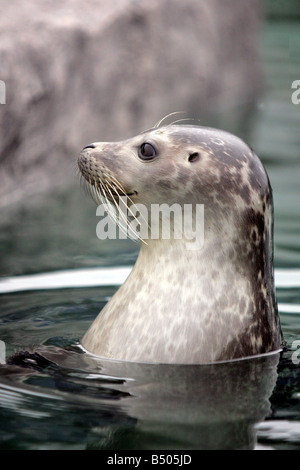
(180, 259)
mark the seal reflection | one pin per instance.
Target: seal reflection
(157, 406)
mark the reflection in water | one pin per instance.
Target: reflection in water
(119, 405)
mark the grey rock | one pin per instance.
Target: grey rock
(81, 71)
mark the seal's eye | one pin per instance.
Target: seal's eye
(147, 151)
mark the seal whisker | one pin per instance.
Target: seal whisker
(127, 222)
(86, 187)
(181, 120)
(91, 190)
(98, 196)
(116, 205)
(109, 207)
(116, 182)
(166, 117)
(123, 216)
(76, 170)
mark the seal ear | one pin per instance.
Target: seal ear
(193, 157)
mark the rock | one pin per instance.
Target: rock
(81, 71)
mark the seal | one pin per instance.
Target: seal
(181, 305)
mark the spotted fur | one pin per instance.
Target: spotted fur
(181, 306)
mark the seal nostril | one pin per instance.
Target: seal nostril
(194, 157)
(91, 146)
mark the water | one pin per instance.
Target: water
(65, 399)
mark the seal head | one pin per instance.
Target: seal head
(212, 302)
